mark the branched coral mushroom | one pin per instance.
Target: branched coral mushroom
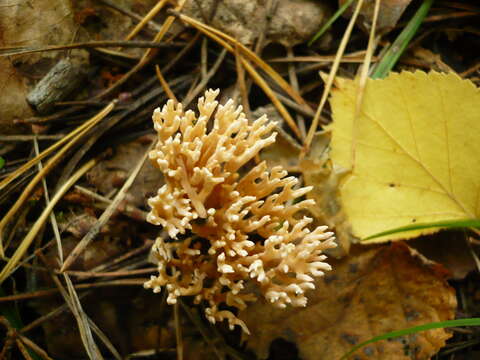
(243, 235)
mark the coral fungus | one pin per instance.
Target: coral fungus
(241, 234)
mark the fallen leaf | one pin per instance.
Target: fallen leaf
(372, 292)
(415, 151)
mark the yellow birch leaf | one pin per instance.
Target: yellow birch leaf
(413, 151)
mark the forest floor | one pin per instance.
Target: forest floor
(80, 81)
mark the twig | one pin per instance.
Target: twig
(22, 50)
(30, 138)
(48, 292)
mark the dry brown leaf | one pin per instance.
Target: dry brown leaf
(372, 292)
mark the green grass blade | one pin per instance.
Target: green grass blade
(2, 162)
(330, 21)
(392, 55)
(413, 330)
(447, 224)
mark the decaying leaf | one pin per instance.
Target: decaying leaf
(413, 151)
(374, 291)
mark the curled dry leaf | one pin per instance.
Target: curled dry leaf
(372, 292)
(416, 149)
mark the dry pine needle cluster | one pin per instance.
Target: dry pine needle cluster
(241, 233)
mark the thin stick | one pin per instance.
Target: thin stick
(129, 210)
(271, 95)
(106, 214)
(111, 273)
(148, 244)
(204, 57)
(55, 312)
(30, 137)
(241, 82)
(23, 349)
(292, 75)
(41, 293)
(22, 50)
